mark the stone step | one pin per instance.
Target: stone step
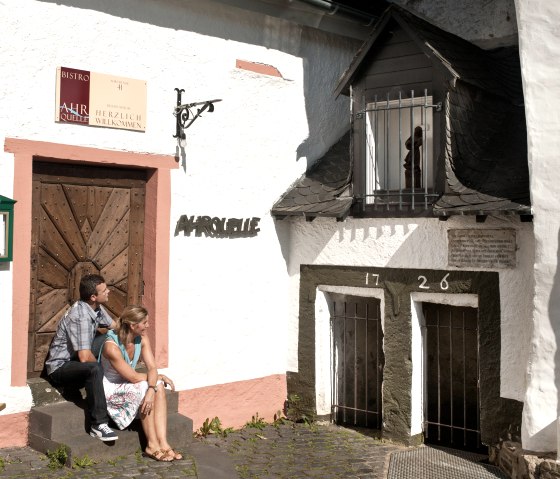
(64, 423)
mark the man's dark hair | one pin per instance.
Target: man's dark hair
(88, 285)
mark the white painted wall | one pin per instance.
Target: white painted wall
(228, 298)
(232, 295)
(539, 41)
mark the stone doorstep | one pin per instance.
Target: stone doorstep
(64, 422)
(79, 443)
(522, 464)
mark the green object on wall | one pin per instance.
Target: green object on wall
(6, 228)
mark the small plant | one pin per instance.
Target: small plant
(2, 464)
(279, 419)
(295, 410)
(114, 461)
(58, 457)
(256, 422)
(213, 426)
(83, 462)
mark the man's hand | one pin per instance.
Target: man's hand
(86, 356)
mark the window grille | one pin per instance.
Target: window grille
(400, 151)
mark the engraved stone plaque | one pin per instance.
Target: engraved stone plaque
(481, 248)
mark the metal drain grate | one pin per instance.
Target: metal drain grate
(439, 463)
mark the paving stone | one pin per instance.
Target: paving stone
(286, 452)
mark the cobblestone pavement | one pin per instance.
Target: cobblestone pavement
(304, 451)
(284, 452)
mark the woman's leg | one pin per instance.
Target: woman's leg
(154, 447)
(160, 418)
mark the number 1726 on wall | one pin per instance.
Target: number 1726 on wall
(443, 284)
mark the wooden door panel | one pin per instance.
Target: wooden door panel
(42, 288)
(97, 202)
(117, 269)
(117, 207)
(52, 322)
(116, 243)
(51, 272)
(55, 203)
(87, 220)
(86, 231)
(135, 286)
(78, 201)
(117, 301)
(53, 243)
(42, 343)
(49, 306)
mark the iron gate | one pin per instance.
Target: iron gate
(357, 364)
(452, 407)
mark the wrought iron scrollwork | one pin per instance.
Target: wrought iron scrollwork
(186, 115)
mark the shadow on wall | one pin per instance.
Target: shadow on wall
(215, 20)
(394, 242)
(318, 80)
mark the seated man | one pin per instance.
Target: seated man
(70, 360)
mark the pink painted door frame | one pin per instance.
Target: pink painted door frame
(156, 234)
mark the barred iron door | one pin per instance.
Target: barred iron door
(452, 409)
(357, 368)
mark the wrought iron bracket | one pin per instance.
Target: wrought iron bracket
(185, 114)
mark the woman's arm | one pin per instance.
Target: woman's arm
(149, 361)
(113, 353)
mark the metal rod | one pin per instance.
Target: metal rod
(439, 377)
(355, 362)
(437, 106)
(464, 384)
(425, 148)
(366, 364)
(387, 149)
(400, 151)
(451, 374)
(378, 376)
(376, 146)
(413, 176)
(344, 361)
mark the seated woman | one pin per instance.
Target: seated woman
(130, 393)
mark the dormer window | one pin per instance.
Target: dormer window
(437, 129)
(400, 151)
(438, 125)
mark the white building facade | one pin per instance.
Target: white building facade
(226, 311)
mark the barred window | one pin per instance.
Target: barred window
(400, 151)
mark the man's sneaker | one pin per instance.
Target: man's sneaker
(103, 432)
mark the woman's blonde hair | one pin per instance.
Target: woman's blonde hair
(130, 315)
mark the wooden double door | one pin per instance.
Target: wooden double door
(86, 219)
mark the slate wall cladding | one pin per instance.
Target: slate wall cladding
(498, 416)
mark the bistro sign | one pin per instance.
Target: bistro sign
(96, 99)
(217, 227)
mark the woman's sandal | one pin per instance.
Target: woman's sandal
(174, 455)
(158, 455)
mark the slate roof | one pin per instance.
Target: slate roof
(485, 158)
(323, 189)
(492, 71)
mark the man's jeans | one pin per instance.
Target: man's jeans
(76, 373)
